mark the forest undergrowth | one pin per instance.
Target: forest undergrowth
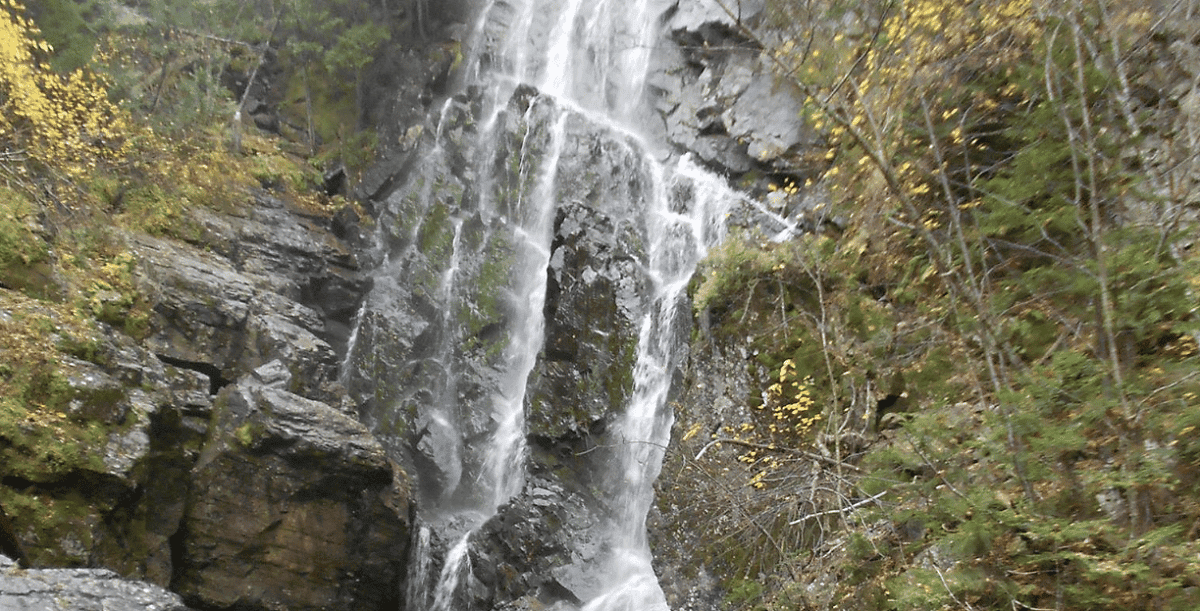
(978, 389)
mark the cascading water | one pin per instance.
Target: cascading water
(452, 346)
(685, 216)
(493, 458)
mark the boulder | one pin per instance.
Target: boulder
(294, 505)
(79, 590)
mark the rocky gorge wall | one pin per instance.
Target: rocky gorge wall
(243, 468)
(205, 446)
(433, 335)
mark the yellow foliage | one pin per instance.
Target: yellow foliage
(66, 122)
(790, 413)
(866, 85)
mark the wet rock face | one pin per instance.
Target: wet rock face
(595, 287)
(79, 590)
(429, 361)
(434, 325)
(438, 320)
(590, 338)
(537, 552)
(519, 559)
(301, 257)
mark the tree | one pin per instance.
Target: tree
(1003, 198)
(330, 39)
(65, 121)
(71, 27)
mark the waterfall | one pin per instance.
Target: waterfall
(685, 222)
(452, 355)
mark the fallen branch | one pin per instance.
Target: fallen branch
(852, 506)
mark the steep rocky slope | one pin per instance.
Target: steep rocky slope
(231, 472)
(173, 329)
(235, 471)
(199, 416)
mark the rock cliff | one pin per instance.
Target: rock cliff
(719, 97)
(427, 363)
(231, 471)
(182, 422)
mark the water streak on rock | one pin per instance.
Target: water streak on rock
(532, 290)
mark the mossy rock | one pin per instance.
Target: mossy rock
(54, 529)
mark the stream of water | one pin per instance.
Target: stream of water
(587, 62)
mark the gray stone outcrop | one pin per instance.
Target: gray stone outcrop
(718, 94)
(79, 590)
(293, 505)
(232, 471)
